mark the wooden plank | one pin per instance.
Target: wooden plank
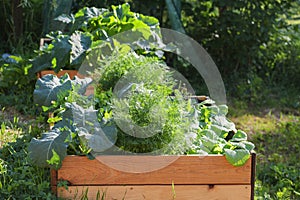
(79, 170)
(253, 172)
(71, 73)
(138, 192)
(53, 181)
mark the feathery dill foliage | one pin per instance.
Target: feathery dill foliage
(151, 115)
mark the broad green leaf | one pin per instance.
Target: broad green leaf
(237, 157)
(66, 18)
(100, 139)
(61, 51)
(81, 117)
(219, 130)
(89, 13)
(249, 145)
(80, 42)
(41, 150)
(238, 145)
(121, 11)
(209, 139)
(223, 109)
(214, 110)
(223, 122)
(49, 87)
(239, 136)
(41, 62)
(150, 21)
(85, 15)
(98, 136)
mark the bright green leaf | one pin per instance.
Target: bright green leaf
(239, 136)
(237, 157)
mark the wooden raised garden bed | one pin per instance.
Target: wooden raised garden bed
(188, 177)
(71, 73)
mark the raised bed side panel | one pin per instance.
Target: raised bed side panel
(158, 192)
(188, 177)
(71, 73)
(185, 170)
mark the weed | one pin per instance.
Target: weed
(19, 178)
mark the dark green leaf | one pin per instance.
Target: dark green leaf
(49, 87)
(40, 63)
(61, 51)
(41, 150)
(80, 42)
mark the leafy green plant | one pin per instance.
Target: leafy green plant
(52, 93)
(218, 135)
(151, 115)
(91, 26)
(278, 174)
(16, 83)
(142, 114)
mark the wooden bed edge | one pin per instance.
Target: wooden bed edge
(253, 173)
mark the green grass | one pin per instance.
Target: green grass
(277, 140)
(19, 178)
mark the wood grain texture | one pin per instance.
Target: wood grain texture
(53, 180)
(138, 192)
(189, 170)
(71, 73)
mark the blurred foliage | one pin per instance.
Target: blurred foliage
(278, 169)
(255, 44)
(20, 25)
(19, 179)
(16, 85)
(250, 42)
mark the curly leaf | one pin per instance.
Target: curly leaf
(41, 150)
(150, 21)
(121, 11)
